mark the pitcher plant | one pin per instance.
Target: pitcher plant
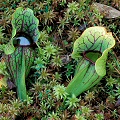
(19, 52)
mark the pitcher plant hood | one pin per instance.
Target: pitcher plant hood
(23, 22)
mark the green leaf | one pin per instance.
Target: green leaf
(9, 48)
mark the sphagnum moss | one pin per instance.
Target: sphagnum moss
(56, 19)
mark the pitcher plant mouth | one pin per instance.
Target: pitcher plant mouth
(23, 40)
(91, 56)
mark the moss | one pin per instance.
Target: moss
(61, 23)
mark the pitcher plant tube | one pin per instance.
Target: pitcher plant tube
(19, 52)
(91, 51)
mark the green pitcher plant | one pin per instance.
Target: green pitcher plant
(19, 52)
(91, 51)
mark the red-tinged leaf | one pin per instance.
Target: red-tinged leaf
(13, 61)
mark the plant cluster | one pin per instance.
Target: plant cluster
(61, 23)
